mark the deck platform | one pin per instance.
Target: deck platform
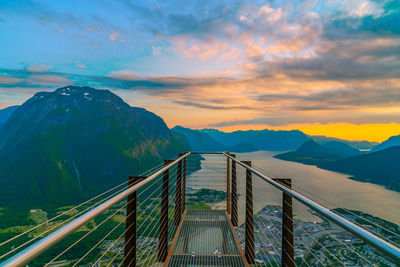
(205, 238)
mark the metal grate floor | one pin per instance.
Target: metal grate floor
(205, 215)
(200, 260)
(205, 239)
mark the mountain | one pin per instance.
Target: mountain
(313, 149)
(259, 140)
(201, 141)
(313, 153)
(62, 147)
(341, 149)
(392, 141)
(247, 141)
(363, 145)
(242, 147)
(6, 113)
(198, 141)
(379, 167)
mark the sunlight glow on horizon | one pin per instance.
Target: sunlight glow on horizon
(376, 132)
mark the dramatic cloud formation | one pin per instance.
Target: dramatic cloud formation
(219, 64)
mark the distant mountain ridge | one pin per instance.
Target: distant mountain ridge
(201, 141)
(314, 153)
(61, 147)
(341, 149)
(253, 140)
(379, 167)
(392, 141)
(364, 145)
(260, 139)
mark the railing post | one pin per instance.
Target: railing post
(178, 195)
(228, 185)
(163, 234)
(234, 212)
(183, 186)
(249, 234)
(131, 224)
(287, 226)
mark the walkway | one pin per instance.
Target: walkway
(205, 238)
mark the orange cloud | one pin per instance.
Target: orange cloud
(9, 80)
(115, 36)
(204, 50)
(38, 68)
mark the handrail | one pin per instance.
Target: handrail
(206, 152)
(375, 241)
(39, 247)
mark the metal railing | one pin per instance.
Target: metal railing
(33, 251)
(373, 240)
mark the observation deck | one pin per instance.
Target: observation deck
(206, 238)
(204, 209)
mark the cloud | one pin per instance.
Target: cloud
(46, 80)
(93, 27)
(39, 80)
(261, 100)
(9, 80)
(281, 62)
(205, 51)
(49, 14)
(370, 94)
(124, 75)
(38, 68)
(360, 8)
(210, 107)
(115, 36)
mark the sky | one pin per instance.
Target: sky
(325, 67)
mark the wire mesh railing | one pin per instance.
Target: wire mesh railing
(277, 222)
(321, 237)
(95, 232)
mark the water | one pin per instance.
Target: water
(309, 180)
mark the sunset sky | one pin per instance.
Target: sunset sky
(325, 67)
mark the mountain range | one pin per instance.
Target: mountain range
(76, 142)
(362, 159)
(198, 141)
(363, 145)
(241, 141)
(313, 153)
(244, 141)
(253, 140)
(62, 147)
(379, 167)
(392, 141)
(260, 140)
(201, 141)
